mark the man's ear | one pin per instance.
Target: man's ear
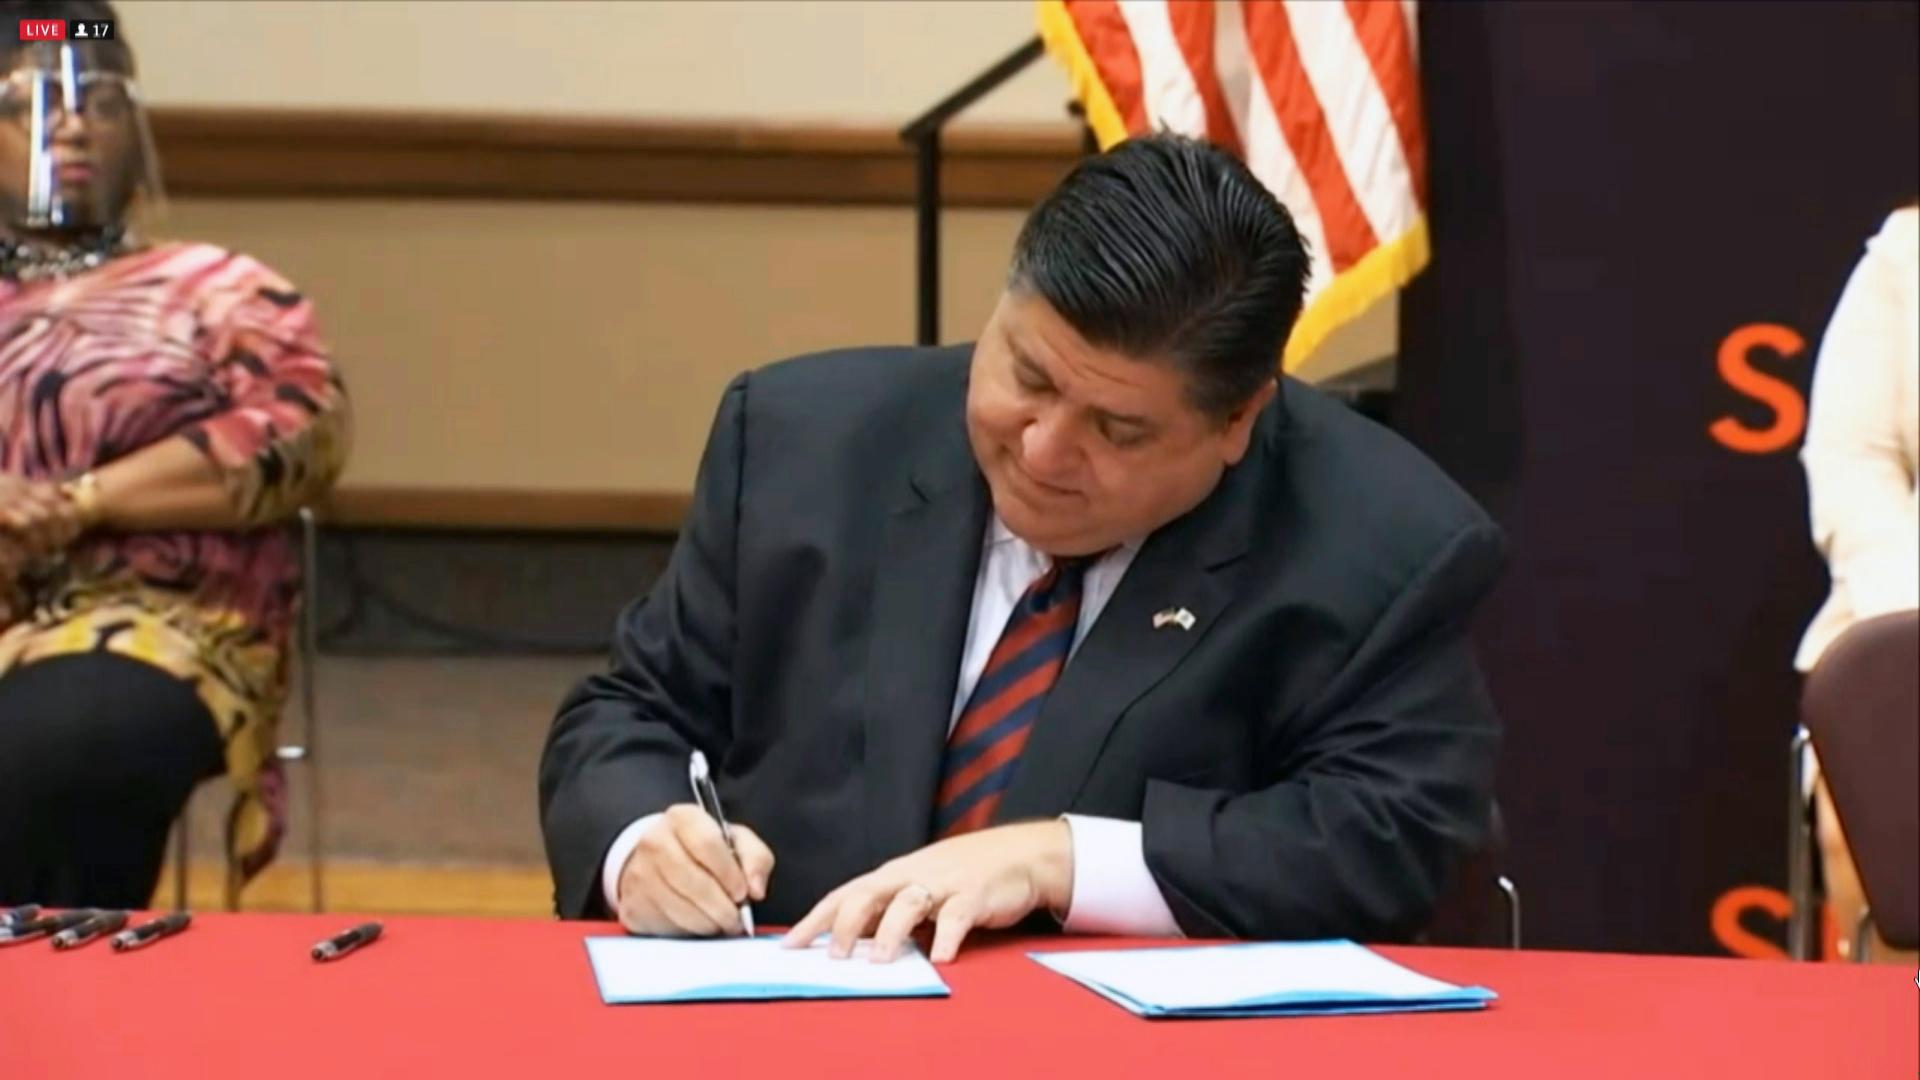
(1238, 431)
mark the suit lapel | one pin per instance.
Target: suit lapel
(922, 593)
(1189, 564)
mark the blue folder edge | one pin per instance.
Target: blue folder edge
(757, 992)
(1470, 999)
(1303, 1003)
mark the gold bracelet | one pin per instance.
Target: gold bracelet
(83, 492)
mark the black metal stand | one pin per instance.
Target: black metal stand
(924, 135)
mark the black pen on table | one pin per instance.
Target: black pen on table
(47, 924)
(151, 931)
(345, 942)
(14, 916)
(103, 922)
(709, 800)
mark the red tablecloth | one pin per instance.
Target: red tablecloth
(237, 996)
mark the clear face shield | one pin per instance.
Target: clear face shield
(74, 144)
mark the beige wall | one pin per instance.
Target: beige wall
(860, 61)
(580, 346)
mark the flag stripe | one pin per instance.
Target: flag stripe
(1172, 99)
(1267, 152)
(1387, 41)
(1358, 121)
(1062, 39)
(1193, 33)
(1233, 67)
(1277, 58)
(1103, 30)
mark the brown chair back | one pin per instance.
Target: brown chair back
(1862, 704)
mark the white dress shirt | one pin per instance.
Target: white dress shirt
(1860, 452)
(1113, 892)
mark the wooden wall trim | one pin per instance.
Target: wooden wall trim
(279, 153)
(505, 510)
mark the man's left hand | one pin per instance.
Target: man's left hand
(991, 879)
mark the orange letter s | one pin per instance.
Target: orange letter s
(1789, 408)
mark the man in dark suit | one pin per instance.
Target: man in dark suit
(1095, 618)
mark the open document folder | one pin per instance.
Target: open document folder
(1308, 978)
(638, 970)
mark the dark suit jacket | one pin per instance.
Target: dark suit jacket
(1310, 759)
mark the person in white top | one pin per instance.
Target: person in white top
(1860, 451)
(1861, 461)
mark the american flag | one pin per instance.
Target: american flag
(1320, 98)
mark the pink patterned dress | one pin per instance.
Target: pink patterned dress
(178, 341)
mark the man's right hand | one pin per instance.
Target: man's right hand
(682, 881)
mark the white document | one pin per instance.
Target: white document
(1266, 979)
(634, 970)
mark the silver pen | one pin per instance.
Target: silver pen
(709, 800)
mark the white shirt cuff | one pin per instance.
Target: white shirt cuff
(616, 861)
(1113, 891)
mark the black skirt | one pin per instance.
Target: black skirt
(98, 753)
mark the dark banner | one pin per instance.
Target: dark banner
(1642, 216)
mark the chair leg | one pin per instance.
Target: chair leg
(1802, 918)
(1863, 936)
(309, 634)
(180, 861)
(1512, 893)
(317, 849)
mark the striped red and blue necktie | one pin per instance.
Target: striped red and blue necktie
(984, 747)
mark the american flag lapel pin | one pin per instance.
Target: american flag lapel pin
(1179, 617)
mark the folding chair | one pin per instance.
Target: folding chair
(1482, 906)
(1803, 922)
(1861, 710)
(302, 752)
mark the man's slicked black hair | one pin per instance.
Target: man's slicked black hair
(1167, 248)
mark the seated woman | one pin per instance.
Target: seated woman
(1861, 456)
(163, 408)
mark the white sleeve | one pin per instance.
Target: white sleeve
(1113, 891)
(617, 854)
(1865, 517)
